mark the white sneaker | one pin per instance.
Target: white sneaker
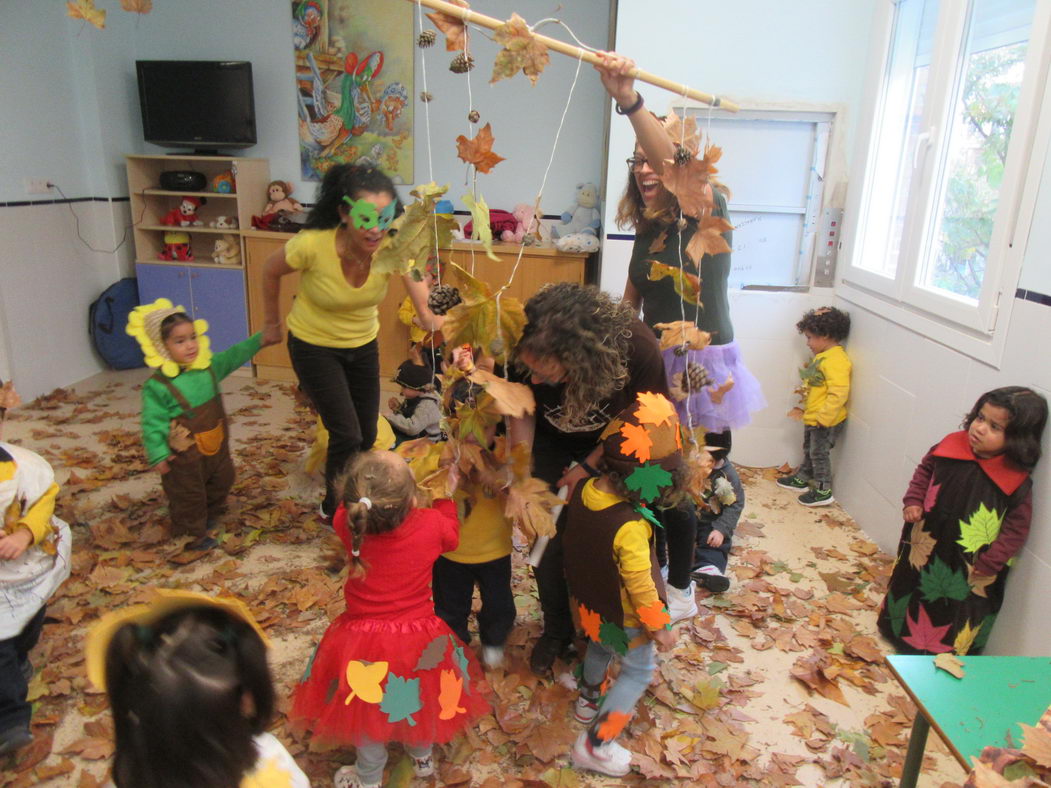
(681, 602)
(493, 657)
(609, 758)
(664, 572)
(585, 709)
(347, 777)
(423, 767)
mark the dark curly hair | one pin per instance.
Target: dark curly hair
(826, 321)
(1023, 432)
(588, 332)
(347, 180)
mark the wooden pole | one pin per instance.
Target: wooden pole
(473, 17)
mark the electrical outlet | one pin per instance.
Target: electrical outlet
(36, 185)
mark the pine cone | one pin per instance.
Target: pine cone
(462, 63)
(473, 116)
(425, 96)
(426, 39)
(682, 155)
(443, 298)
(696, 377)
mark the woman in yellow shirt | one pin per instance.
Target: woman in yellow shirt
(334, 322)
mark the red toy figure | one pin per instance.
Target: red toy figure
(176, 247)
(186, 214)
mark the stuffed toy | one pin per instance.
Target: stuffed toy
(224, 182)
(176, 247)
(186, 214)
(227, 251)
(279, 198)
(577, 242)
(583, 217)
(527, 230)
(224, 223)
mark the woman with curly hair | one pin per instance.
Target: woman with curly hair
(334, 321)
(586, 357)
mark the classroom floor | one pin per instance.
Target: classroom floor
(777, 681)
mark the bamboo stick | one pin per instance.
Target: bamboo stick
(473, 17)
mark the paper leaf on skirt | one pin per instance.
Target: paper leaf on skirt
(364, 680)
(433, 654)
(449, 695)
(402, 699)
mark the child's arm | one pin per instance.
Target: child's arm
(156, 423)
(917, 492)
(226, 361)
(34, 524)
(427, 413)
(836, 370)
(406, 312)
(726, 522)
(631, 550)
(1013, 532)
(449, 524)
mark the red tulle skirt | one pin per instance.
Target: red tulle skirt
(406, 681)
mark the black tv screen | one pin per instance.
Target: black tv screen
(202, 104)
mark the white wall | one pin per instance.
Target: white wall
(802, 55)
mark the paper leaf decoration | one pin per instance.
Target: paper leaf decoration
(432, 655)
(461, 662)
(452, 27)
(924, 636)
(449, 695)
(981, 529)
(682, 333)
(529, 505)
(896, 611)
(614, 637)
(687, 285)
(636, 441)
(479, 150)
(85, 9)
(979, 583)
(939, 581)
(655, 409)
(364, 680)
(613, 724)
(481, 230)
(931, 497)
(716, 393)
(965, 639)
(920, 545)
(402, 699)
(649, 516)
(474, 320)
(950, 664)
(415, 237)
(648, 481)
(591, 622)
(708, 238)
(521, 51)
(654, 615)
(137, 6)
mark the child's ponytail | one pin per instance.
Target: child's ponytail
(378, 493)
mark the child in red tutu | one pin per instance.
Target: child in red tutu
(388, 669)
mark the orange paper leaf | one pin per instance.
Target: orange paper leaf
(479, 150)
(636, 441)
(591, 622)
(654, 615)
(654, 409)
(613, 725)
(449, 695)
(452, 26)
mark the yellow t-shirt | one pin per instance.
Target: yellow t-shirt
(327, 310)
(485, 534)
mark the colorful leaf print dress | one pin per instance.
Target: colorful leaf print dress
(976, 513)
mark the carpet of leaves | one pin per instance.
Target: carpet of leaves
(702, 723)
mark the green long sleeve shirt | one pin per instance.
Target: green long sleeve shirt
(159, 406)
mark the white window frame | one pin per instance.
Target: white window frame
(976, 330)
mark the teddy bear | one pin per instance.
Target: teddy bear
(224, 223)
(279, 198)
(527, 228)
(227, 251)
(176, 247)
(186, 214)
(583, 216)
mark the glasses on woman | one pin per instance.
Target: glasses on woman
(637, 162)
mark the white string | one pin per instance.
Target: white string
(430, 172)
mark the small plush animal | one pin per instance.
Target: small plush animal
(279, 195)
(224, 223)
(583, 216)
(527, 229)
(227, 251)
(185, 215)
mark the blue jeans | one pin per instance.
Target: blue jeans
(636, 671)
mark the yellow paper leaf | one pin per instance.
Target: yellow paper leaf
(364, 679)
(655, 409)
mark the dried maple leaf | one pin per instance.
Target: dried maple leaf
(9, 397)
(137, 6)
(479, 149)
(452, 27)
(920, 545)
(480, 320)
(950, 663)
(1037, 744)
(529, 505)
(708, 239)
(521, 51)
(85, 9)
(683, 131)
(481, 229)
(420, 232)
(716, 393)
(689, 183)
(682, 333)
(179, 438)
(509, 399)
(687, 285)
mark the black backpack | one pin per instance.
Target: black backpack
(107, 318)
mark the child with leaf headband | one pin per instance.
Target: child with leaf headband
(614, 580)
(184, 426)
(388, 669)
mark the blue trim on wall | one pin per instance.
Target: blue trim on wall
(620, 236)
(21, 203)
(1032, 295)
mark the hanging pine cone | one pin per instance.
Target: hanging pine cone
(473, 116)
(426, 39)
(425, 96)
(696, 377)
(462, 63)
(443, 298)
(682, 155)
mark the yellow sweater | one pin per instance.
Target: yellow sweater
(827, 378)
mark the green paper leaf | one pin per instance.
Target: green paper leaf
(419, 234)
(401, 699)
(981, 529)
(648, 481)
(985, 629)
(480, 227)
(614, 637)
(647, 514)
(938, 581)
(310, 665)
(896, 609)
(432, 655)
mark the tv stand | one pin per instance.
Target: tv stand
(196, 152)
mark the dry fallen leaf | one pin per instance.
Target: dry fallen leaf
(682, 332)
(521, 51)
(950, 663)
(452, 26)
(479, 149)
(137, 6)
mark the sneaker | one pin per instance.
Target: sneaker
(792, 482)
(681, 602)
(322, 515)
(664, 572)
(202, 543)
(347, 777)
(15, 739)
(545, 652)
(609, 758)
(586, 709)
(709, 577)
(493, 657)
(816, 498)
(423, 767)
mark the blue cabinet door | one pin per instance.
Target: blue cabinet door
(219, 298)
(164, 281)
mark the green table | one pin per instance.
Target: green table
(981, 709)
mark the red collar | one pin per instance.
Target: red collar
(955, 446)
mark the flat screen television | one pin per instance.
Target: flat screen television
(201, 104)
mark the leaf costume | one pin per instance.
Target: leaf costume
(388, 669)
(976, 513)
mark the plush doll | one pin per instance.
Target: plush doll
(577, 242)
(583, 217)
(227, 251)
(176, 247)
(186, 214)
(527, 230)
(279, 194)
(224, 223)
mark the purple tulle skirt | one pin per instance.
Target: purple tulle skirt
(738, 403)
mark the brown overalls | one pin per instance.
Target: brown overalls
(199, 477)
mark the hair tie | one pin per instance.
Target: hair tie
(366, 501)
(355, 552)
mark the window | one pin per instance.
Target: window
(953, 106)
